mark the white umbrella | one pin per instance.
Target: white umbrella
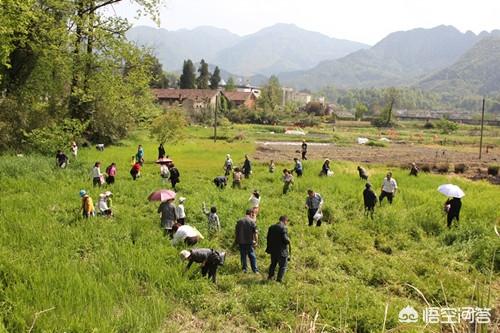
(451, 190)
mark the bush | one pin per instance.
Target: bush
(442, 168)
(446, 126)
(428, 125)
(47, 140)
(460, 168)
(493, 170)
(425, 168)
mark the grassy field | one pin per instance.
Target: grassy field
(122, 275)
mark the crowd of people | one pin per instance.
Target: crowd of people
(173, 218)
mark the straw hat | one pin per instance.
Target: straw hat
(184, 254)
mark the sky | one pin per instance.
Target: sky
(366, 21)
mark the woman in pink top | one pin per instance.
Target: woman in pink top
(111, 171)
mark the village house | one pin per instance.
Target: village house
(240, 98)
(190, 99)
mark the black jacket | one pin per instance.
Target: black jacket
(369, 198)
(455, 205)
(277, 240)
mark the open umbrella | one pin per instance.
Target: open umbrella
(451, 190)
(164, 160)
(161, 195)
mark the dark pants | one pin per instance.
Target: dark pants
(310, 216)
(174, 181)
(134, 173)
(450, 218)
(304, 155)
(236, 183)
(247, 175)
(181, 220)
(277, 260)
(286, 187)
(369, 210)
(248, 250)
(110, 180)
(387, 195)
(191, 240)
(96, 181)
(299, 173)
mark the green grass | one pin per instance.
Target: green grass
(122, 275)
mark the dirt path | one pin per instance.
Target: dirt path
(393, 155)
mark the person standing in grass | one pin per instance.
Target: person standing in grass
(213, 220)
(278, 246)
(87, 205)
(369, 199)
(164, 172)
(271, 166)
(389, 188)
(414, 170)
(237, 176)
(96, 174)
(452, 207)
(362, 173)
(167, 216)
(111, 172)
(325, 169)
(181, 211)
(61, 159)
(228, 165)
(247, 167)
(161, 151)
(139, 156)
(174, 176)
(287, 180)
(74, 149)
(255, 201)
(304, 149)
(314, 203)
(246, 236)
(297, 167)
(136, 170)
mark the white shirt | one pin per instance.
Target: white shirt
(96, 172)
(254, 201)
(181, 213)
(183, 232)
(389, 186)
(103, 204)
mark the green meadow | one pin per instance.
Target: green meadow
(61, 273)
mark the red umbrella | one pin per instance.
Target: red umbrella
(161, 195)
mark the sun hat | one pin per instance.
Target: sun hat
(108, 193)
(182, 199)
(82, 193)
(184, 254)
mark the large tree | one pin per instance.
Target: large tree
(187, 79)
(215, 78)
(271, 96)
(204, 75)
(230, 84)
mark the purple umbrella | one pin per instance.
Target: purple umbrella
(161, 195)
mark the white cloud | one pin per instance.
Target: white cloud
(360, 20)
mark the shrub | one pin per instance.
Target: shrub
(442, 168)
(493, 170)
(446, 126)
(428, 125)
(460, 168)
(425, 168)
(48, 140)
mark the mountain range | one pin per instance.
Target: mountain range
(275, 49)
(441, 58)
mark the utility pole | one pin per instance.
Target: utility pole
(215, 117)
(482, 126)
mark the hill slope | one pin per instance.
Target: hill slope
(173, 47)
(399, 59)
(282, 48)
(476, 72)
(278, 48)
